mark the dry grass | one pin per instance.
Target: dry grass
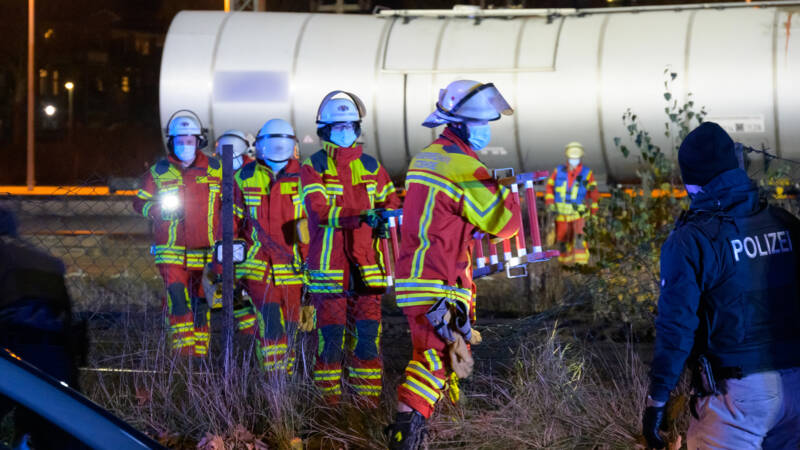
(553, 394)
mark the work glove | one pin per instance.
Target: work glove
(651, 424)
(551, 207)
(475, 338)
(212, 288)
(308, 319)
(381, 231)
(373, 217)
(303, 234)
(460, 357)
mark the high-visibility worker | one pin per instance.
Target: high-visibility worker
(268, 204)
(341, 187)
(450, 194)
(568, 187)
(243, 312)
(181, 194)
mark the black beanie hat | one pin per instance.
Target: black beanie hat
(705, 153)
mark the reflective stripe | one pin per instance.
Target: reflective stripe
(417, 260)
(433, 359)
(418, 369)
(415, 291)
(423, 391)
(144, 195)
(437, 183)
(327, 375)
(367, 389)
(367, 374)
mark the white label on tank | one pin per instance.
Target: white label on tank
(499, 151)
(308, 140)
(740, 124)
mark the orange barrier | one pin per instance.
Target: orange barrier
(65, 190)
(105, 191)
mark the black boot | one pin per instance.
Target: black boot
(407, 432)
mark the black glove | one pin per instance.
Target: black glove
(373, 217)
(651, 424)
(381, 231)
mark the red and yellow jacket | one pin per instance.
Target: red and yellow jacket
(183, 240)
(268, 206)
(337, 185)
(449, 194)
(567, 188)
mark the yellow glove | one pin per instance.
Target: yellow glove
(453, 391)
(308, 319)
(460, 357)
(303, 235)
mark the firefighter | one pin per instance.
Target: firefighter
(243, 312)
(269, 206)
(450, 195)
(181, 195)
(729, 306)
(342, 189)
(568, 187)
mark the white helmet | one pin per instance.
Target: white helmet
(187, 125)
(332, 110)
(468, 100)
(184, 126)
(275, 141)
(240, 145)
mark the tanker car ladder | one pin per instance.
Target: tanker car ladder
(514, 261)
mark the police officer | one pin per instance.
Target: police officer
(730, 303)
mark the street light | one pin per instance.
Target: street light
(49, 110)
(70, 86)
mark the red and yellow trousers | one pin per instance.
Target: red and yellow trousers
(348, 314)
(275, 294)
(187, 311)
(571, 240)
(427, 372)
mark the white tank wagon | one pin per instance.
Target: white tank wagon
(570, 75)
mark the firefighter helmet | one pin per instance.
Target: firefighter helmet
(574, 150)
(332, 110)
(276, 141)
(468, 100)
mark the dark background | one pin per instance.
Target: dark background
(111, 50)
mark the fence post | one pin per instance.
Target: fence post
(227, 255)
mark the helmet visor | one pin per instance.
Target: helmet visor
(275, 148)
(484, 102)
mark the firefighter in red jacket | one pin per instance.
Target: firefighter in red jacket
(341, 188)
(181, 194)
(568, 188)
(450, 195)
(269, 206)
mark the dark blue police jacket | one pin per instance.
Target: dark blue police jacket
(729, 285)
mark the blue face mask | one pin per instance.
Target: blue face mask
(479, 136)
(185, 152)
(343, 136)
(237, 162)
